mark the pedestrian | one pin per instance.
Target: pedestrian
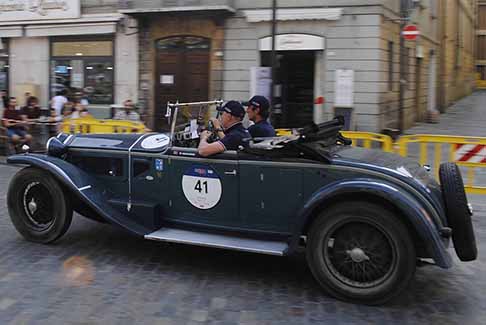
(258, 109)
(57, 104)
(128, 113)
(14, 120)
(79, 111)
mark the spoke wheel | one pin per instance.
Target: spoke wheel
(38, 206)
(361, 252)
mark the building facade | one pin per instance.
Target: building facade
(457, 66)
(481, 44)
(70, 45)
(333, 57)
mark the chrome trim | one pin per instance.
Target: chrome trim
(129, 203)
(84, 188)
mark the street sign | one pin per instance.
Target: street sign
(410, 32)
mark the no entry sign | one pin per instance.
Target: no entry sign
(410, 32)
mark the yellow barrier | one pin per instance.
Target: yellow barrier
(461, 150)
(92, 125)
(366, 139)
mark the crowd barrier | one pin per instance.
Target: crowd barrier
(90, 125)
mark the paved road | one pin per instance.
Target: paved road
(99, 274)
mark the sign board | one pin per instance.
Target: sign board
(261, 81)
(410, 32)
(18, 10)
(167, 79)
(293, 42)
(344, 88)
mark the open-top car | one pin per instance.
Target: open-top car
(364, 217)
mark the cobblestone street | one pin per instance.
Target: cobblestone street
(99, 274)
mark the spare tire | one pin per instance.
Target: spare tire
(458, 212)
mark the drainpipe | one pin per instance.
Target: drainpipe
(274, 54)
(403, 66)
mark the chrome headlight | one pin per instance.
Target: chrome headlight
(55, 147)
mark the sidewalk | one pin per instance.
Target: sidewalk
(465, 118)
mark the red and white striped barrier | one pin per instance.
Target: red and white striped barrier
(472, 153)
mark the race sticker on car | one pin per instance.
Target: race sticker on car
(155, 142)
(202, 187)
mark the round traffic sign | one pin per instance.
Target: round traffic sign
(410, 32)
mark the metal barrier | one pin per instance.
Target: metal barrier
(367, 140)
(91, 125)
(468, 152)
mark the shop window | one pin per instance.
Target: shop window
(83, 69)
(4, 64)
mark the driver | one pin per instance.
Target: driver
(231, 134)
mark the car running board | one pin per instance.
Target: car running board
(219, 241)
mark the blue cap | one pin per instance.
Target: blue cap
(234, 108)
(258, 101)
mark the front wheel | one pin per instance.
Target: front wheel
(38, 207)
(361, 252)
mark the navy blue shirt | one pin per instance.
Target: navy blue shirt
(262, 129)
(234, 137)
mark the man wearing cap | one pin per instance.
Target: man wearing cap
(230, 130)
(258, 109)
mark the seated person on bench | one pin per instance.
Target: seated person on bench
(14, 121)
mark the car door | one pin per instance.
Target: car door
(271, 193)
(204, 191)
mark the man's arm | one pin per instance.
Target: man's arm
(206, 149)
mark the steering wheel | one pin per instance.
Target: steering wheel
(214, 135)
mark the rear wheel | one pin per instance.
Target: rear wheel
(361, 252)
(38, 208)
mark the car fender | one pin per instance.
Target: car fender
(419, 216)
(81, 184)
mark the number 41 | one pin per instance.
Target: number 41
(199, 186)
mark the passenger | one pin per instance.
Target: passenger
(14, 121)
(230, 130)
(128, 113)
(258, 109)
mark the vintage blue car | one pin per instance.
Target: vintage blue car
(365, 218)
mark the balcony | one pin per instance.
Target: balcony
(160, 6)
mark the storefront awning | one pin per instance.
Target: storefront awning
(70, 29)
(222, 8)
(86, 24)
(10, 31)
(254, 16)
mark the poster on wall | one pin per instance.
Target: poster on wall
(344, 91)
(17, 10)
(261, 81)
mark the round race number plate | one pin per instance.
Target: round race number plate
(155, 142)
(202, 187)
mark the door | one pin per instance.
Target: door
(182, 74)
(270, 196)
(204, 191)
(295, 85)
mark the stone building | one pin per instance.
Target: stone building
(481, 44)
(457, 66)
(72, 45)
(324, 47)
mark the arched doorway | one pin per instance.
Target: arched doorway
(182, 72)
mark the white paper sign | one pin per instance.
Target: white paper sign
(261, 81)
(16, 10)
(167, 79)
(344, 91)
